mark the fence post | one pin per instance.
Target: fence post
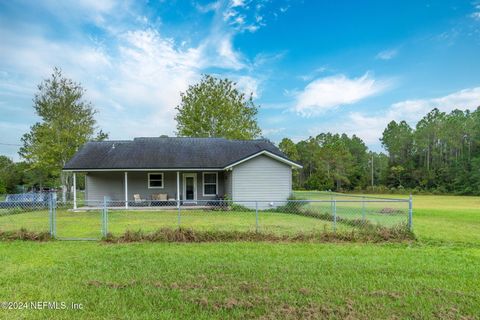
(410, 213)
(50, 213)
(256, 216)
(102, 229)
(179, 213)
(334, 215)
(54, 215)
(363, 209)
(331, 201)
(104, 217)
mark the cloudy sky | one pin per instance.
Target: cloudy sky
(313, 66)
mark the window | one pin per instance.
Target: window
(210, 183)
(155, 180)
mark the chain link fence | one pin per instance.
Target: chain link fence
(97, 219)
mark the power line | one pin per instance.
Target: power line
(10, 144)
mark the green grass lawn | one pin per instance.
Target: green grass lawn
(437, 277)
(242, 280)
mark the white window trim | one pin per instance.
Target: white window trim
(156, 173)
(203, 184)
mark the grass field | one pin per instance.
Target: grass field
(437, 277)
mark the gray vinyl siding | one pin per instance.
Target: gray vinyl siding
(261, 179)
(112, 185)
(228, 183)
(101, 184)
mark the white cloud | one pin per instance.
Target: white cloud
(135, 90)
(476, 15)
(334, 91)
(218, 51)
(248, 85)
(387, 54)
(411, 110)
(247, 15)
(237, 3)
(272, 131)
(313, 74)
(212, 6)
(150, 73)
(370, 126)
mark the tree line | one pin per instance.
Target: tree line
(441, 154)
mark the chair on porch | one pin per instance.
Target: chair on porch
(138, 201)
(159, 199)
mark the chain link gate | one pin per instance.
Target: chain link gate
(67, 223)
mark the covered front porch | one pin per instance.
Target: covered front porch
(144, 189)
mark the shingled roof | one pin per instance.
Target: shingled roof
(169, 153)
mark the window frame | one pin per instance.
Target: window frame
(209, 183)
(155, 187)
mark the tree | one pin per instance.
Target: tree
(215, 108)
(67, 122)
(10, 177)
(288, 147)
(6, 166)
(3, 188)
(397, 139)
(380, 168)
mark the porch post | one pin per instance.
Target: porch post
(178, 189)
(126, 190)
(74, 191)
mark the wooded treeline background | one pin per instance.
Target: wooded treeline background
(440, 155)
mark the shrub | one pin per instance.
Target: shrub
(24, 234)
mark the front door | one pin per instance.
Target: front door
(190, 187)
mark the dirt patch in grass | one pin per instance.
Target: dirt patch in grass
(305, 291)
(225, 304)
(248, 287)
(111, 285)
(156, 284)
(391, 295)
(370, 234)
(313, 311)
(451, 313)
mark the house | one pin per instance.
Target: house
(187, 170)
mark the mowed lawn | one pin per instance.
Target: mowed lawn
(241, 280)
(437, 277)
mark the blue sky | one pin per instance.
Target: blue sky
(313, 66)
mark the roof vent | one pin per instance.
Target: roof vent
(113, 145)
